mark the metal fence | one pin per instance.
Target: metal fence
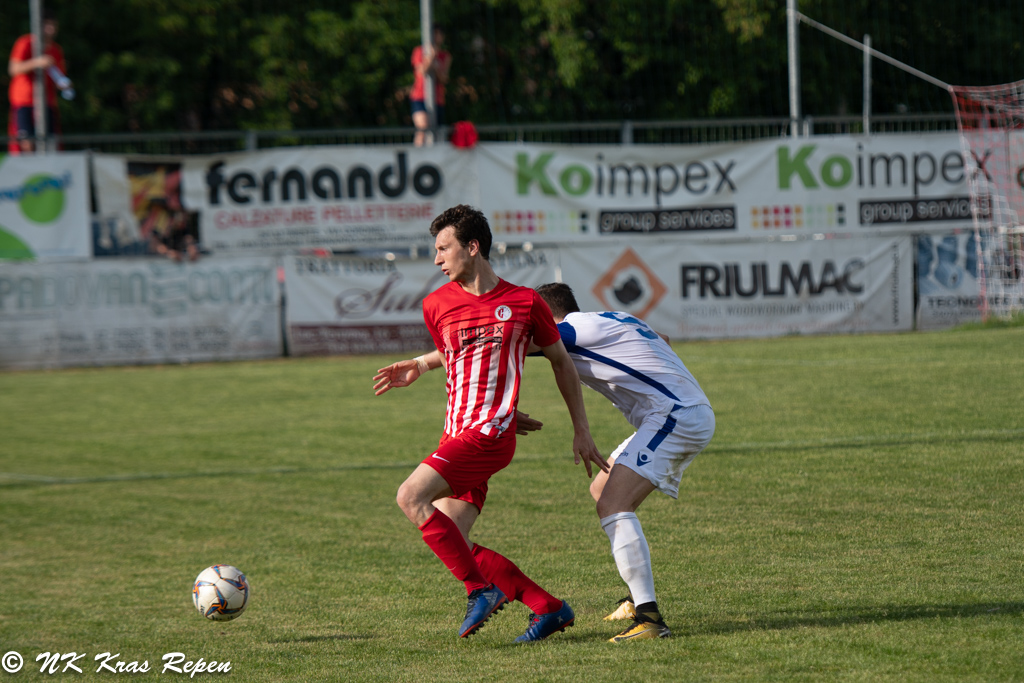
(690, 132)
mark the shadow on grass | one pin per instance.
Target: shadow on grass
(855, 615)
(319, 639)
(872, 441)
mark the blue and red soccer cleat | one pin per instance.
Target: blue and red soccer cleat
(483, 602)
(543, 625)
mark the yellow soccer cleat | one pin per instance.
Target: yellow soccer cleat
(625, 610)
(642, 630)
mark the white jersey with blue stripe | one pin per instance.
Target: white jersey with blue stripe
(623, 359)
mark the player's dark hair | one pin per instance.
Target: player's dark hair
(469, 224)
(559, 298)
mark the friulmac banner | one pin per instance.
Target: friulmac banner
(750, 290)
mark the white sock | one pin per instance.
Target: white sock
(631, 553)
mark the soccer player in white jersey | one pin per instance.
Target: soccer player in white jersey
(482, 327)
(625, 360)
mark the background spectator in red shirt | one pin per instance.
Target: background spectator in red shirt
(22, 69)
(436, 61)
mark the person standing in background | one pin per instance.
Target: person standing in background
(21, 92)
(436, 62)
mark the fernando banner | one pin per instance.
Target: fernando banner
(139, 311)
(44, 207)
(374, 305)
(325, 198)
(704, 290)
(898, 184)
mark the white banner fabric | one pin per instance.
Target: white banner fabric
(308, 198)
(139, 311)
(703, 290)
(44, 208)
(894, 184)
(351, 305)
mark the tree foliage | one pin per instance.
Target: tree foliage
(159, 65)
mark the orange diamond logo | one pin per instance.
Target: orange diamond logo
(629, 286)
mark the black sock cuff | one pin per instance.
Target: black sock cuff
(648, 611)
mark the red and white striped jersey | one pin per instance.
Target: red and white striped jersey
(484, 341)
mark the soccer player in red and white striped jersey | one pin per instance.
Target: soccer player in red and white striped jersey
(482, 327)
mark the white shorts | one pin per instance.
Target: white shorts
(666, 444)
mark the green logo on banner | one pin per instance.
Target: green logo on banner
(42, 198)
(11, 247)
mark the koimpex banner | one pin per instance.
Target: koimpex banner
(824, 186)
(139, 311)
(720, 290)
(44, 208)
(346, 305)
(325, 198)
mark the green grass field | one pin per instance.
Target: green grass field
(858, 516)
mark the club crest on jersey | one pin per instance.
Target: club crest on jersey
(503, 313)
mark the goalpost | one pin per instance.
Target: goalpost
(990, 120)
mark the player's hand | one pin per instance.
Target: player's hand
(526, 424)
(585, 450)
(400, 374)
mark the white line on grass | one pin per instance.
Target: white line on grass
(8, 479)
(16, 478)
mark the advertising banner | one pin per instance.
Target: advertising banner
(139, 207)
(352, 305)
(139, 311)
(44, 207)
(896, 184)
(343, 198)
(949, 293)
(693, 291)
(326, 198)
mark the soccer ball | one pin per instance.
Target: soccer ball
(221, 592)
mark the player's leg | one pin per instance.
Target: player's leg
(601, 478)
(625, 609)
(443, 536)
(549, 613)
(622, 495)
(655, 458)
(416, 498)
(421, 121)
(25, 129)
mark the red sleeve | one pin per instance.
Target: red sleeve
(545, 332)
(430, 319)
(22, 49)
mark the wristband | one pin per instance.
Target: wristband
(421, 364)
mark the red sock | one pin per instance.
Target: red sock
(516, 585)
(443, 537)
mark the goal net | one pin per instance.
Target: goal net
(991, 124)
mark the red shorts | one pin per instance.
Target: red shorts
(468, 460)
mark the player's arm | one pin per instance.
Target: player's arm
(17, 67)
(405, 372)
(568, 381)
(526, 424)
